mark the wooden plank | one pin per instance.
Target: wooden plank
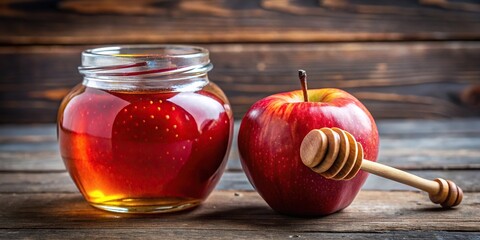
(12, 131)
(37, 161)
(467, 180)
(388, 84)
(394, 80)
(58, 182)
(189, 234)
(372, 211)
(413, 145)
(429, 154)
(144, 21)
(36, 182)
(412, 128)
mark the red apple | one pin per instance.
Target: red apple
(269, 145)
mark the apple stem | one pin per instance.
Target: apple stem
(302, 75)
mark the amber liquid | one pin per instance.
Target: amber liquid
(144, 151)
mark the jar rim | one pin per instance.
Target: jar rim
(125, 65)
(108, 51)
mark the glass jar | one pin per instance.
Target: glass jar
(146, 131)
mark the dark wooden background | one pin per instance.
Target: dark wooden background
(403, 59)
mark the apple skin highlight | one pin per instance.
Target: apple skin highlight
(269, 145)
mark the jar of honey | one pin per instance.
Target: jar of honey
(146, 131)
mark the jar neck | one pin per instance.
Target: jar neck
(146, 67)
(186, 84)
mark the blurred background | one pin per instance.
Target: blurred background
(402, 59)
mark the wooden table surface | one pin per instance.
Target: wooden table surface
(38, 199)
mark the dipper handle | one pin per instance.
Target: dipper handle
(335, 154)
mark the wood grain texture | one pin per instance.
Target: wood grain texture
(60, 182)
(394, 80)
(408, 145)
(147, 21)
(256, 47)
(243, 211)
(42, 201)
(30, 161)
(189, 234)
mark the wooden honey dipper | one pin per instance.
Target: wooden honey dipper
(335, 154)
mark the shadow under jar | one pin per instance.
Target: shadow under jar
(146, 131)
